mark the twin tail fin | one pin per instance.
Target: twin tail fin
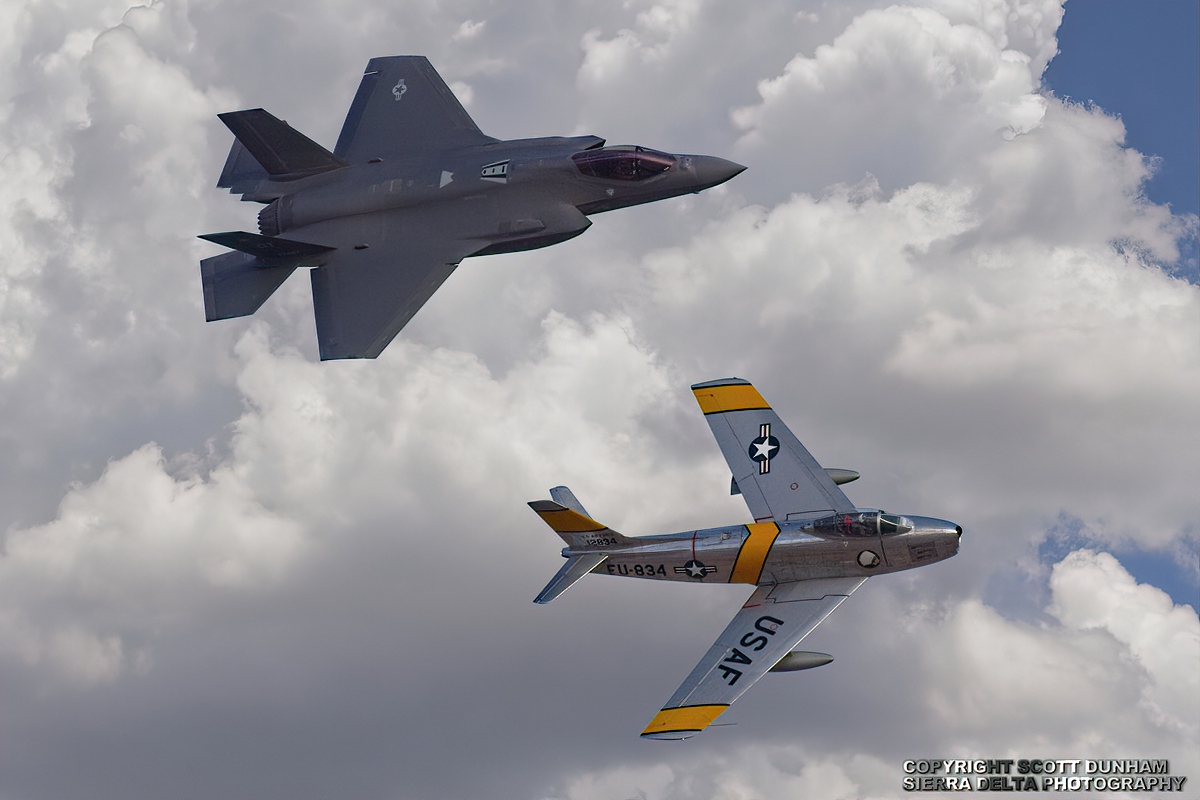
(282, 151)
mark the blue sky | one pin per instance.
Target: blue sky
(1140, 60)
(1154, 85)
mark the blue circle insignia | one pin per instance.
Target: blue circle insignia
(697, 570)
(764, 448)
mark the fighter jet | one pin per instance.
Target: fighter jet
(411, 189)
(807, 550)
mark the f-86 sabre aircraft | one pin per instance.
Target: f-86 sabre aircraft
(807, 550)
(411, 188)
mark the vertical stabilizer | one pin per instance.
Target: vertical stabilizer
(241, 170)
(279, 148)
(579, 531)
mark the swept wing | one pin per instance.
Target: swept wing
(368, 288)
(775, 474)
(769, 625)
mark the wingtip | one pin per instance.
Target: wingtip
(721, 382)
(682, 722)
(729, 394)
(669, 737)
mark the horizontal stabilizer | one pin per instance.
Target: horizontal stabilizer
(575, 568)
(237, 284)
(266, 247)
(564, 497)
(278, 147)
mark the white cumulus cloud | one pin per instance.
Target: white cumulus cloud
(216, 549)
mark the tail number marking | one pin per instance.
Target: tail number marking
(599, 541)
(637, 570)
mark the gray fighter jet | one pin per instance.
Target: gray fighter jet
(410, 190)
(807, 550)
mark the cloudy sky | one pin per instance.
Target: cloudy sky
(231, 570)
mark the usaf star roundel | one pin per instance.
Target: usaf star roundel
(695, 569)
(764, 448)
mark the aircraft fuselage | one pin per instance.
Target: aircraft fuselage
(505, 196)
(829, 546)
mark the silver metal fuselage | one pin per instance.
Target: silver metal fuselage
(764, 553)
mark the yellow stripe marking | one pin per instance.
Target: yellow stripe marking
(749, 564)
(738, 397)
(688, 718)
(567, 521)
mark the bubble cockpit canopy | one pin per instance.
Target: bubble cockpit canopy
(860, 523)
(623, 163)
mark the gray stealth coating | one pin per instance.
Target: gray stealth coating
(411, 189)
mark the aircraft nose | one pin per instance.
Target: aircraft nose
(712, 171)
(950, 527)
(935, 525)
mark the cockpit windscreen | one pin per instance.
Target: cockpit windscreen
(623, 163)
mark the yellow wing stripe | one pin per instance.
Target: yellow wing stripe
(565, 520)
(749, 564)
(687, 718)
(737, 397)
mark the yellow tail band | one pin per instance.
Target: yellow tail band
(564, 520)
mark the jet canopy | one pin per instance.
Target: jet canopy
(623, 163)
(860, 523)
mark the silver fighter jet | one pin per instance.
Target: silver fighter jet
(410, 190)
(807, 550)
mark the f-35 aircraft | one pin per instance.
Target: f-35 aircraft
(807, 550)
(411, 189)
